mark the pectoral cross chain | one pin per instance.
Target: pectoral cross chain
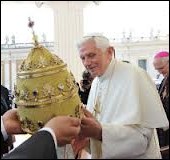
(96, 109)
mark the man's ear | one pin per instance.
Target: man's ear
(111, 51)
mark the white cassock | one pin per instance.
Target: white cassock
(65, 152)
(129, 109)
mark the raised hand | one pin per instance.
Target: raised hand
(11, 122)
(66, 128)
(90, 127)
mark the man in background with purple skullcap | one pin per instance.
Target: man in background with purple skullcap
(161, 64)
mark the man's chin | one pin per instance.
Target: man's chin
(94, 74)
(165, 75)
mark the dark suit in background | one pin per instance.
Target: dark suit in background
(85, 85)
(84, 95)
(39, 146)
(164, 135)
(5, 101)
(5, 106)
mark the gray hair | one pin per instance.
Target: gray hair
(161, 60)
(101, 41)
(165, 59)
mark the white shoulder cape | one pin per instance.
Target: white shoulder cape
(129, 96)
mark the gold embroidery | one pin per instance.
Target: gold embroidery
(96, 109)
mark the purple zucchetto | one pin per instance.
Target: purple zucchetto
(161, 54)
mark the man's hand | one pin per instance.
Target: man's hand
(65, 128)
(11, 122)
(90, 127)
(78, 144)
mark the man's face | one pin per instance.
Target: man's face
(161, 66)
(94, 59)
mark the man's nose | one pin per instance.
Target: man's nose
(87, 62)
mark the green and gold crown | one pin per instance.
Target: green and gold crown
(44, 89)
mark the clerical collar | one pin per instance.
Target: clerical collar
(108, 71)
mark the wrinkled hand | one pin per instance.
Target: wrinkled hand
(90, 127)
(11, 122)
(65, 128)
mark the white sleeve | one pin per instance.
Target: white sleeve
(52, 133)
(124, 141)
(3, 130)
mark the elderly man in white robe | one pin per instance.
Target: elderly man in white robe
(123, 109)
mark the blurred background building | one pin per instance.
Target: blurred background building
(60, 24)
(137, 30)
